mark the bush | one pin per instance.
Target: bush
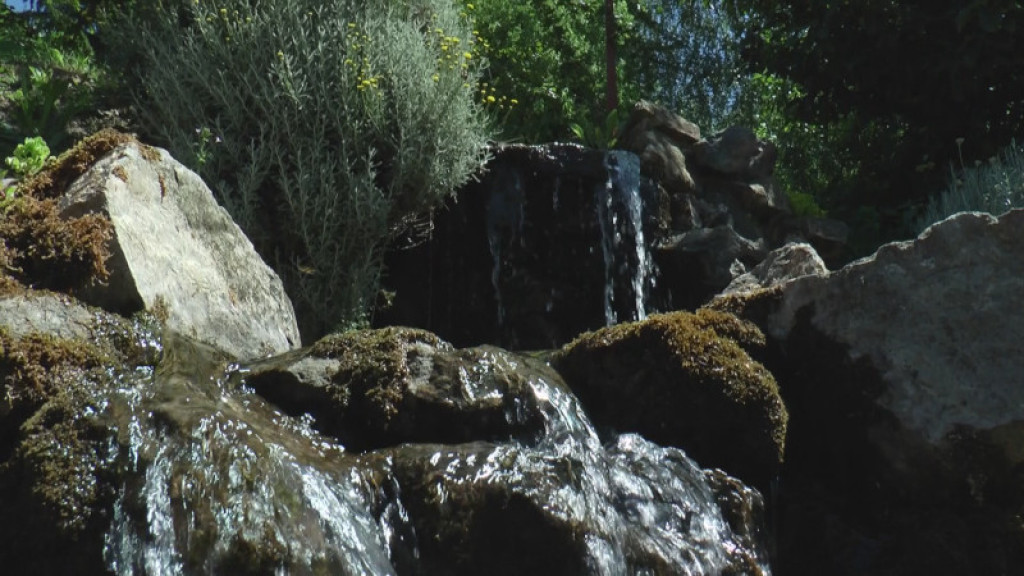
(994, 187)
(324, 127)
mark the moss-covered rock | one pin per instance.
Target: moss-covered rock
(40, 248)
(684, 380)
(56, 470)
(379, 388)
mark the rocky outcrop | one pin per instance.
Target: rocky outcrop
(527, 487)
(786, 263)
(725, 210)
(684, 380)
(903, 373)
(176, 252)
(132, 448)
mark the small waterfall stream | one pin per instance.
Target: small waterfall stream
(620, 213)
(217, 481)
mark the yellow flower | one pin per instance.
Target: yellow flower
(490, 99)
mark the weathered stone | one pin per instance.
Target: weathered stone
(50, 313)
(791, 261)
(178, 254)
(684, 380)
(938, 317)
(903, 373)
(761, 197)
(660, 138)
(737, 152)
(647, 117)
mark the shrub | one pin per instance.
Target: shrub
(994, 187)
(324, 127)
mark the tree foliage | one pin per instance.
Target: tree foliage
(895, 85)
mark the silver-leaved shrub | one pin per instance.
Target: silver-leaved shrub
(325, 127)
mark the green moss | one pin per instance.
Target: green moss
(373, 372)
(684, 380)
(752, 306)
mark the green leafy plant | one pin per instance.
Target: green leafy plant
(29, 157)
(601, 135)
(48, 78)
(341, 123)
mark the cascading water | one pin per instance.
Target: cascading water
(215, 477)
(628, 273)
(216, 481)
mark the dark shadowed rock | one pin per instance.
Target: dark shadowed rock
(737, 152)
(179, 254)
(700, 263)
(903, 373)
(525, 257)
(377, 388)
(684, 380)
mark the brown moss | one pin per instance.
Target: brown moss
(55, 178)
(43, 250)
(32, 367)
(684, 380)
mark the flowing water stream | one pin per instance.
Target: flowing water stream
(218, 481)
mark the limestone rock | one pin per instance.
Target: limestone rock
(939, 318)
(786, 263)
(179, 254)
(904, 376)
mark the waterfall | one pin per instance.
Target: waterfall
(628, 265)
(211, 472)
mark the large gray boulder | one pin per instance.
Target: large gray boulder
(904, 376)
(940, 318)
(177, 253)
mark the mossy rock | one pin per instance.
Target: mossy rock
(684, 380)
(38, 247)
(57, 475)
(373, 389)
